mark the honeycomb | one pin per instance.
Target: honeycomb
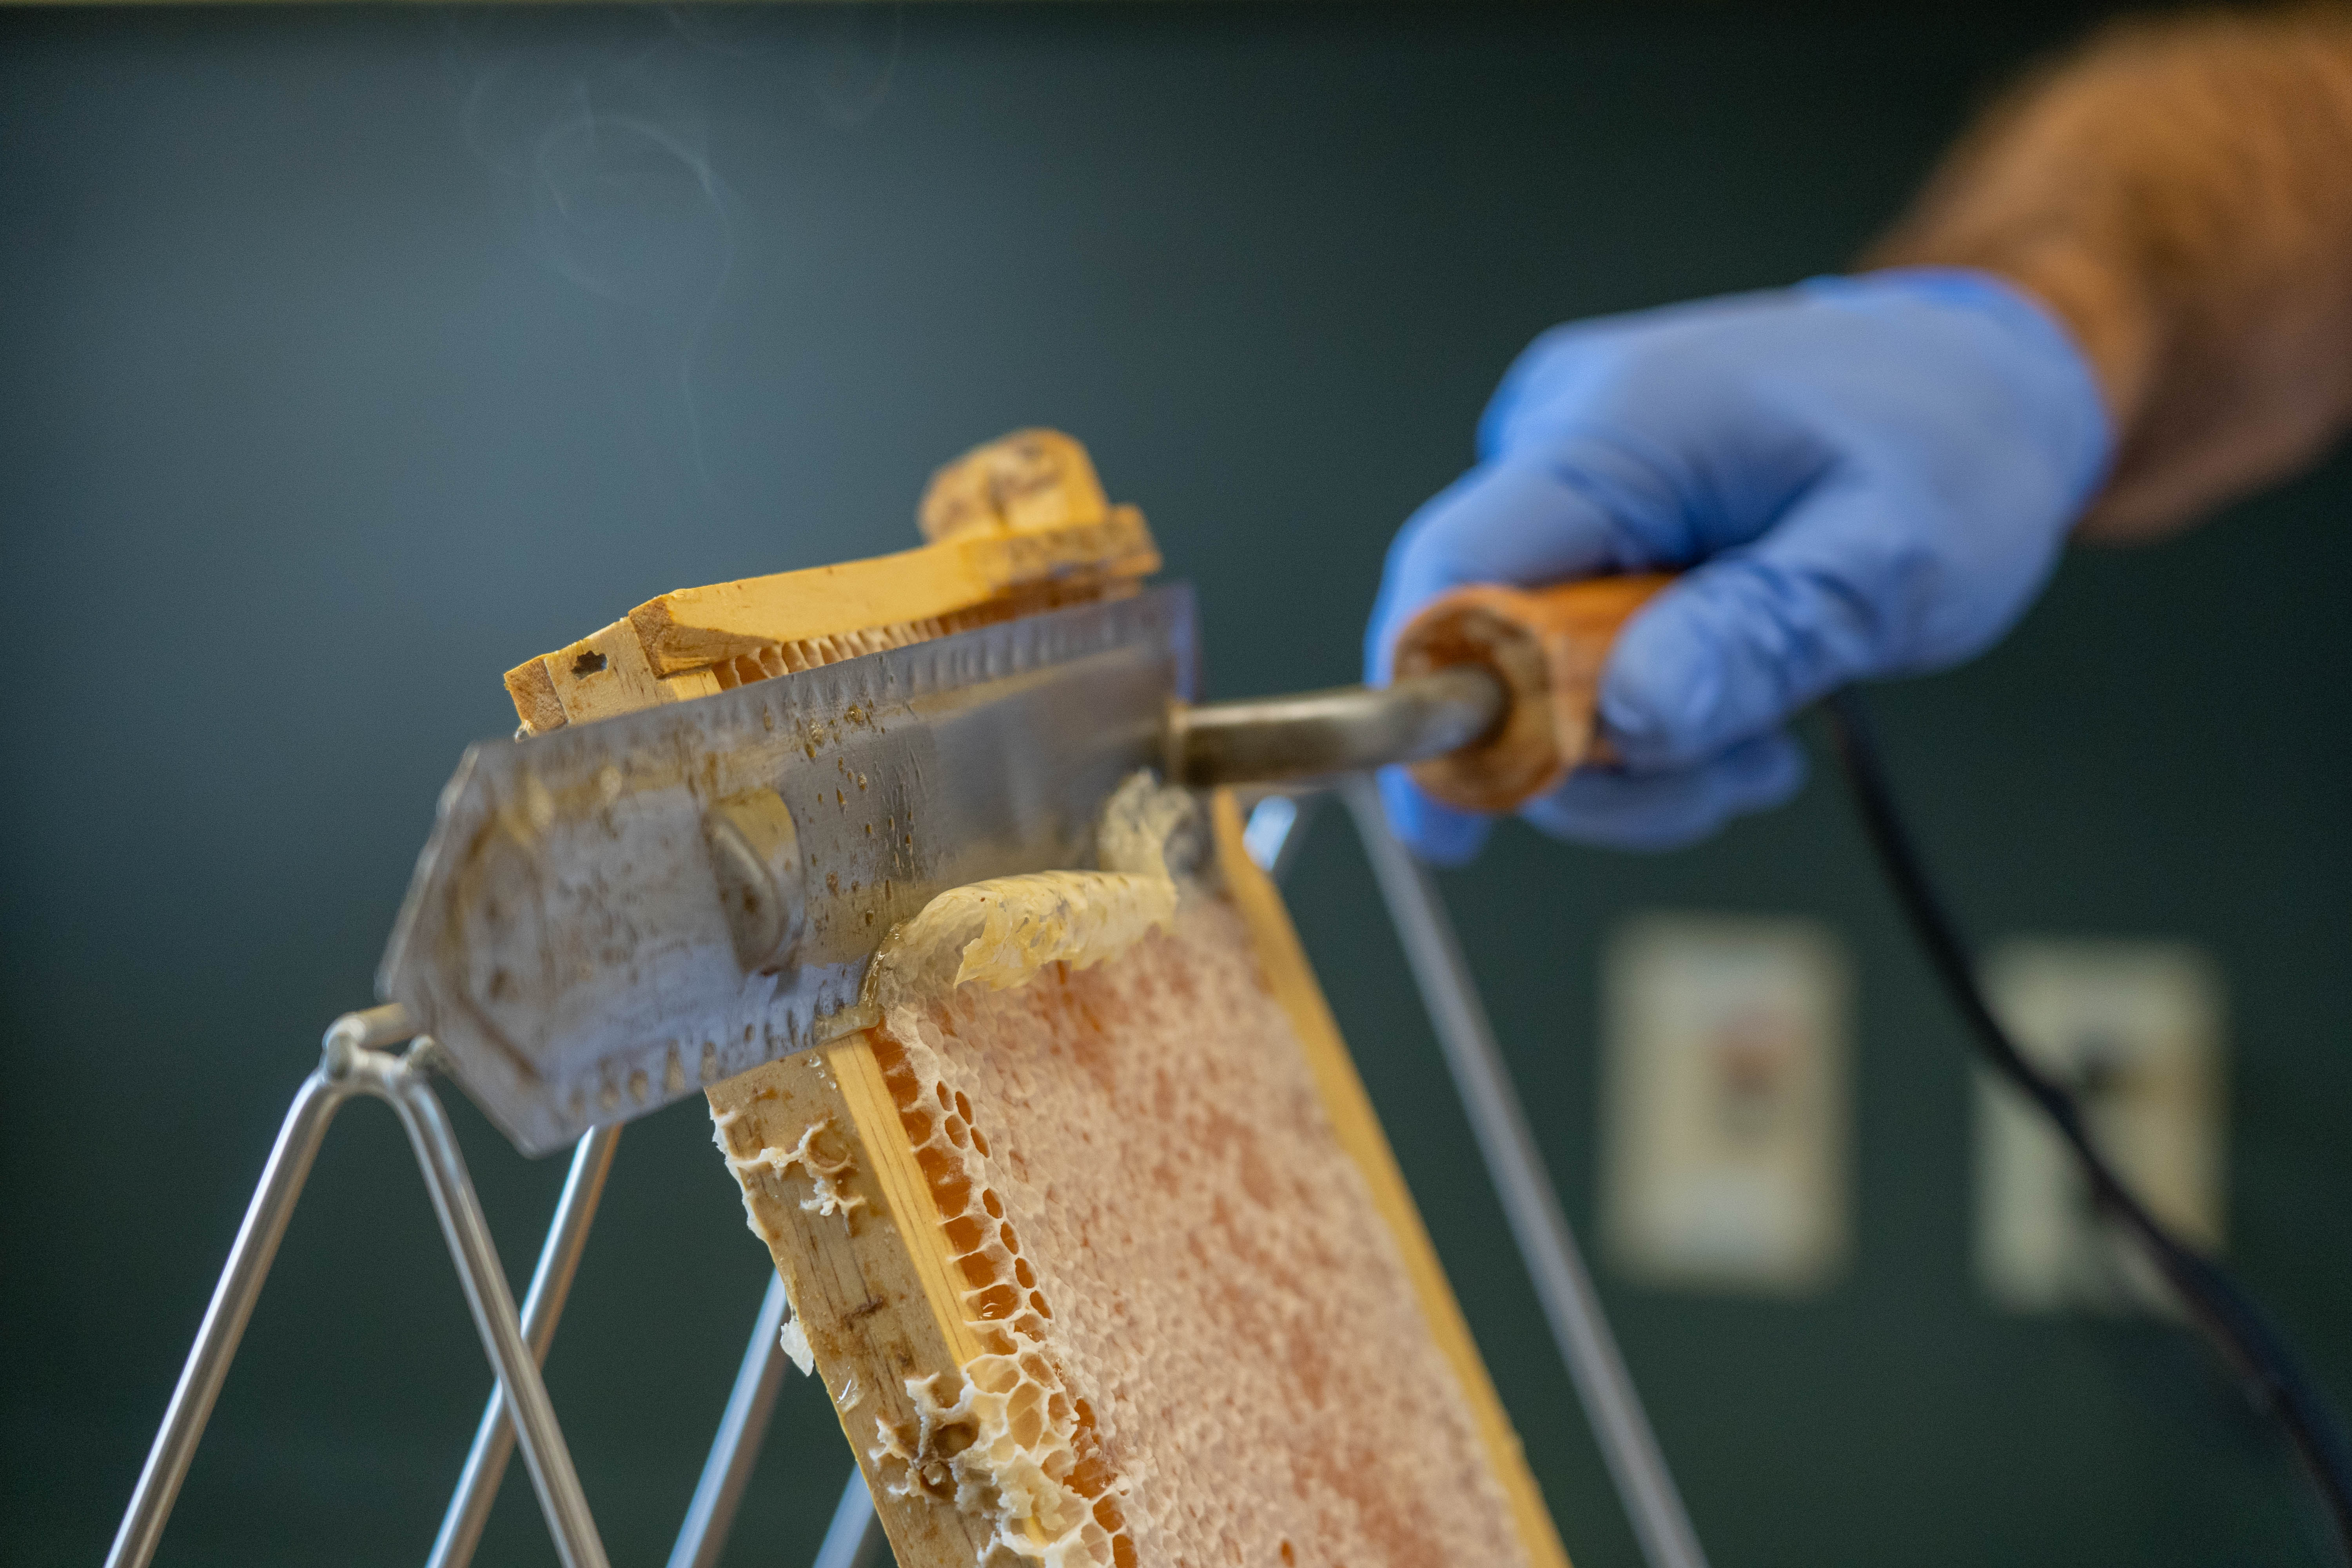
(791, 655)
(1199, 1343)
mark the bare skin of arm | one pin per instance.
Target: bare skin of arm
(2180, 192)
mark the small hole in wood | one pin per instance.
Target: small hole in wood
(589, 663)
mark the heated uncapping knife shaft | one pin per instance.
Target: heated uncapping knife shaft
(1493, 699)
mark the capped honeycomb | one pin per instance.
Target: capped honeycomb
(1122, 1294)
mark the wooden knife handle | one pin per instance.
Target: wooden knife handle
(1548, 646)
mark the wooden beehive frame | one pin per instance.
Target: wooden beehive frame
(1015, 526)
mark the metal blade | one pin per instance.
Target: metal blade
(611, 916)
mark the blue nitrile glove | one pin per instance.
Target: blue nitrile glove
(1869, 476)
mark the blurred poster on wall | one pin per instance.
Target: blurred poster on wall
(1725, 1146)
(2134, 1028)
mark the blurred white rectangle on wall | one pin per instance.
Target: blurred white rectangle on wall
(1724, 1136)
(2136, 1029)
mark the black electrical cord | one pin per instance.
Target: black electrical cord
(2273, 1375)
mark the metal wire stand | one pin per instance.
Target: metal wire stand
(1532, 1205)
(354, 1062)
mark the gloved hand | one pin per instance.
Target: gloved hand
(1870, 476)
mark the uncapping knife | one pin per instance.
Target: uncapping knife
(615, 914)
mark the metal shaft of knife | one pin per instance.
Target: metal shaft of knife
(1344, 729)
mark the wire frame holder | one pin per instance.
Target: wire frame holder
(735, 1449)
(353, 1062)
(542, 1305)
(1530, 1204)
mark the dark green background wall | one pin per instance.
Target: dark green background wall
(348, 356)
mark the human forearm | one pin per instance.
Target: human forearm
(2180, 194)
